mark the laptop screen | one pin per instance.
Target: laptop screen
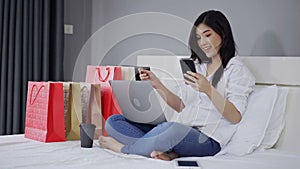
(138, 101)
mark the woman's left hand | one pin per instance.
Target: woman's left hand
(198, 82)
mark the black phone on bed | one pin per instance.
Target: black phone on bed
(187, 64)
(182, 164)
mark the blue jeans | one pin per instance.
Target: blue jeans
(142, 139)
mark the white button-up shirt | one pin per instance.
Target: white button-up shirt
(235, 85)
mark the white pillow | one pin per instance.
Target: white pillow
(251, 130)
(277, 121)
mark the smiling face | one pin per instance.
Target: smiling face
(208, 40)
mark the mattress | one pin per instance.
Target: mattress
(19, 152)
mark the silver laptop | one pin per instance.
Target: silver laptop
(138, 101)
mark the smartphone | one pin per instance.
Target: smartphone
(187, 64)
(187, 164)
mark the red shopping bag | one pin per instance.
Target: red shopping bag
(102, 75)
(45, 112)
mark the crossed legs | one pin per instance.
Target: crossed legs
(165, 141)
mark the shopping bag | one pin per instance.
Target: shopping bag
(128, 72)
(66, 87)
(101, 75)
(91, 106)
(74, 112)
(45, 112)
(96, 111)
(83, 106)
(85, 93)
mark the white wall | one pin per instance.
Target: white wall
(268, 27)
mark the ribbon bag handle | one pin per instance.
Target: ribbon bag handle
(31, 93)
(100, 76)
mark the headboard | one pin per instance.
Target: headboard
(279, 70)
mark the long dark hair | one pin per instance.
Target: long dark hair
(219, 23)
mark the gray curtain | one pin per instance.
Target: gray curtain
(31, 49)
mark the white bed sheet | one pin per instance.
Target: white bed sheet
(19, 152)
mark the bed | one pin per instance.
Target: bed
(19, 152)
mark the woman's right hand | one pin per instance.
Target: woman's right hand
(170, 98)
(148, 75)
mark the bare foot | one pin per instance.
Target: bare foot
(163, 156)
(110, 143)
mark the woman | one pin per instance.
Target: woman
(209, 107)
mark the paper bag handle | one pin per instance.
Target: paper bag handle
(39, 90)
(99, 74)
